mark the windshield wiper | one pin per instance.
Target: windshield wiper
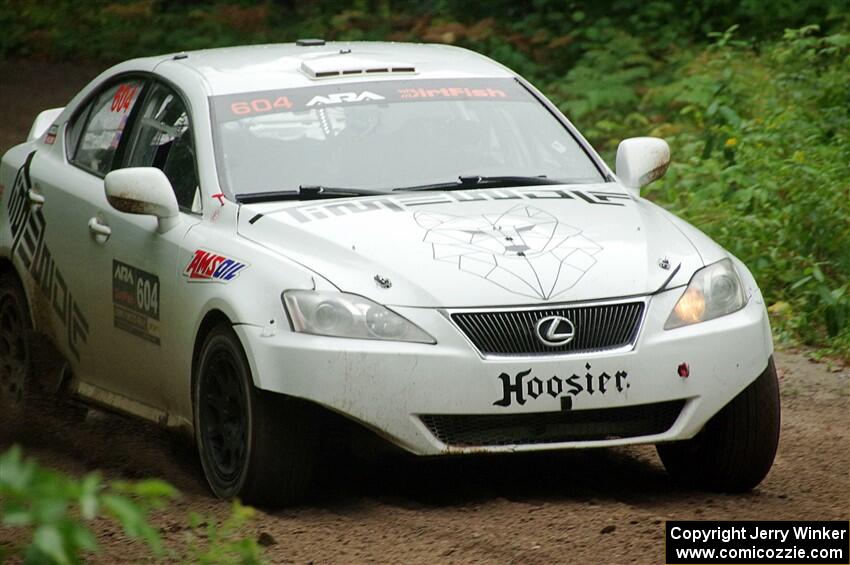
(304, 192)
(465, 182)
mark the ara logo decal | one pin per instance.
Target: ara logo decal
(340, 97)
(209, 266)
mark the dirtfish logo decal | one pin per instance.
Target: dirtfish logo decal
(340, 97)
(209, 266)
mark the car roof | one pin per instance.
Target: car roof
(267, 67)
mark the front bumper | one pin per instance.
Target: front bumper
(389, 386)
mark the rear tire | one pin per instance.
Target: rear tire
(736, 448)
(255, 445)
(16, 335)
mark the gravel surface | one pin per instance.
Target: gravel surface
(590, 506)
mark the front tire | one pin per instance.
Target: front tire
(736, 448)
(255, 445)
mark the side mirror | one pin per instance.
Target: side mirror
(641, 160)
(143, 190)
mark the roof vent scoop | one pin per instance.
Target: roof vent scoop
(309, 42)
(348, 65)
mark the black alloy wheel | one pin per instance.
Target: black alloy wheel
(224, 417)
(253, 444)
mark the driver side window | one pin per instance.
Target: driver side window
(162, 138)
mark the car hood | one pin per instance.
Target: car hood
(481, 247)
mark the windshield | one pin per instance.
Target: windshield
(380, 136)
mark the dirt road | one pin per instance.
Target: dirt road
(596, 506)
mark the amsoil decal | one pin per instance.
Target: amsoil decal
(28, 228)
(403, 203)
(525, 386)
(135, 301)
(237, 106)
(209, 266)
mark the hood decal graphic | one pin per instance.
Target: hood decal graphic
(404, 202)
(524, 250)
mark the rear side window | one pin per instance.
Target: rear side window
(75, 128)
(105, 121)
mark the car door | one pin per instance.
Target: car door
(145, 279)
(128, 270)
(69, 183)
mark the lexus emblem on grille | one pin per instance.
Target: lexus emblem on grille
(555, 331)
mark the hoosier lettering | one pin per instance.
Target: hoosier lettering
(525, 385)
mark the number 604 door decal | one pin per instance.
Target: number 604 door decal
(135, 301)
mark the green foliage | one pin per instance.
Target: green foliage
(54, 513)
(114, 30)
(761, 138)
(224, 543)
(56, 509)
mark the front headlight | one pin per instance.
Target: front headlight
(714, 291)
(339, 314)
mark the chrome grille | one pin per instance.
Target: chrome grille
(598, 327)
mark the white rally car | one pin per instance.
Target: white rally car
(239, 241)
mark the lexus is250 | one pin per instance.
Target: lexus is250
(240, 241)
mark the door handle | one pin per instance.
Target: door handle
(101, 232)
(36, 199)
